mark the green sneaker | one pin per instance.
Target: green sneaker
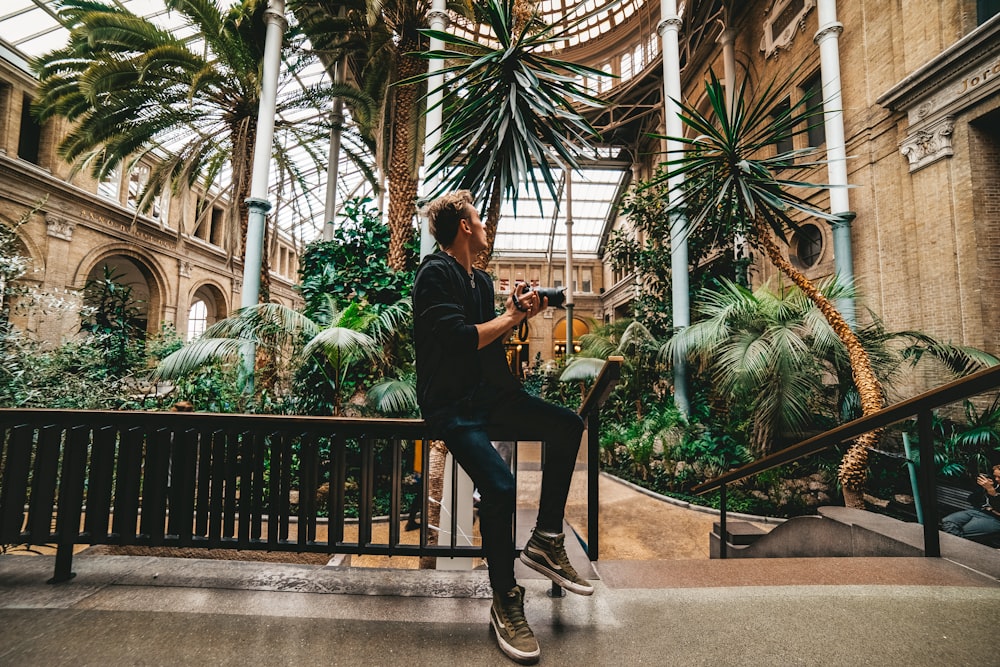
(548, 556)
(513, 634)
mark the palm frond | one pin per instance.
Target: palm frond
(198, 353)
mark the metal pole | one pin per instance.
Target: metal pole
(914, 485)
(669, 30)
(258, 202)
(828, 39)
(928, 490)
(569, 264)
(437, 18)
(333, 162)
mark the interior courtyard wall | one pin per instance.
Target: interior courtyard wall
(76, 228)
(922, 252)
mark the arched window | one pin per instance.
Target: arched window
(197, 319)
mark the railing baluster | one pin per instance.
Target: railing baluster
(593, 483)
(183, 484)
(258, 487)
(99, 484)
(154, 486)
(14, 492)
(43, 488)
(215, 496)
(366, 492)
(72, 474)
(232, 473)
(338, 478)
(130, 444)
(723, 538)
(307, 489)
(395, 492)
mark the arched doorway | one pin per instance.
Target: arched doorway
(580, 328)
(130, 296)
(208, 306)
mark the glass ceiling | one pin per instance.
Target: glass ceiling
(29, 28)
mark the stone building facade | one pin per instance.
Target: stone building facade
(179, 273)
(920, 103)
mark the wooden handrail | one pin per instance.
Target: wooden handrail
(949, 393)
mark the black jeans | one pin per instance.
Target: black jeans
(466, 432)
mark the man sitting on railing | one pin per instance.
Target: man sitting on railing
(983, 520)
(465, 387)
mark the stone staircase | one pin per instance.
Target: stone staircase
(846, 532)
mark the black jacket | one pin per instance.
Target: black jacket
(452, 374)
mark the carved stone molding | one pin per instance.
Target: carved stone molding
(929, 145)
(674, 23)
(237, 285)
(184, 268)
(59, 227)
(785, 19)
(832, 30)
(438, 15)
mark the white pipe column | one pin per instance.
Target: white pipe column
(669, 31)
(333, 161)
(569, 264)
(258, 202)
(828, 40)
(438, 20)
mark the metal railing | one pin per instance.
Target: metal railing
(226, 481)
(921, 406)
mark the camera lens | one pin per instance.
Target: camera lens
(555, 295)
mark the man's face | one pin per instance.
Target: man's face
(996, 476)
(477, 242)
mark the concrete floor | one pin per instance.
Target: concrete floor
(659, 600)
(164, 611)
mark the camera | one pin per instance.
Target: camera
(555, 295)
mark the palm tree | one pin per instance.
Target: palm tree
(134, 91)
(770, 350)
(628, 339)
(382, 38)
(731, 185)
(507, 107)
(334, 340)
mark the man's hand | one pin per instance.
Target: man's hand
(525, 300)
(987, 483)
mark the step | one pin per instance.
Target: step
(739, 533)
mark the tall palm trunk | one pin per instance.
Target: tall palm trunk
(402, 157)
(853, 467)
(492, 221)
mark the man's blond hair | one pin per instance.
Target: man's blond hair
(444, 213)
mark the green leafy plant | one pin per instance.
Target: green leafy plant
(507, 105)
(111, 315)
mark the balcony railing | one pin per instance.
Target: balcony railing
(922, 407)
(228, 481)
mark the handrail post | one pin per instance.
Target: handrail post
(723, 547)
(928, 486)
(593, 481)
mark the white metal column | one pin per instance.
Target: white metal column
(828, 40)
(669, 31)
(258, 203)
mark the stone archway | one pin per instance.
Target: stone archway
(206, 306)
(135, 269)
(580, 328)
